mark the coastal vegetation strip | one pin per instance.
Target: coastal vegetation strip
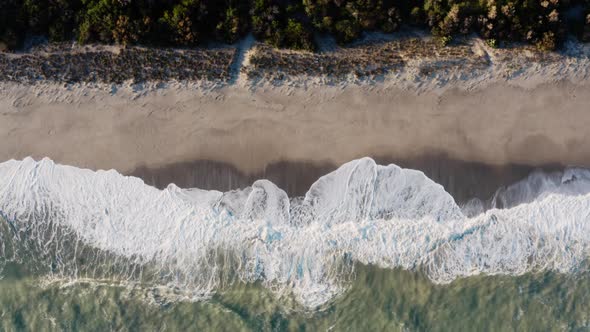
(67, 64)
(288, 23)
(410, 57)
(368, 60)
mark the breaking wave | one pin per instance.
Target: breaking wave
(74, 223)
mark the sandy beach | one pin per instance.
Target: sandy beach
(251, 131)
(498, 125)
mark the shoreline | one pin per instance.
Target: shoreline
(502, 131)
(469, 104)
(463, 180)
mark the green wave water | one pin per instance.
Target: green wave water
(378, 300)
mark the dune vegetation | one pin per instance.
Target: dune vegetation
(288, 23)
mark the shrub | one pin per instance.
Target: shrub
(444, 40)
(284, 23)
(548, 42)
(126, 31)
(230, 28)
(280, 25)
(346, 31)
(99, 20)
(297, 37)
(181, 22)
(348, 18)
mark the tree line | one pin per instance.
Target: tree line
(288, 23)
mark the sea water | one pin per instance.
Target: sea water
(368, 247)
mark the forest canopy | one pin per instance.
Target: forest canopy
(287, 23)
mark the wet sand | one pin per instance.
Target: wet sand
(463, 180)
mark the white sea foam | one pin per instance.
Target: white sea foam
(197, 241)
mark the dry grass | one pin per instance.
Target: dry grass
(364, 61)
(108, 64)
(61, 63)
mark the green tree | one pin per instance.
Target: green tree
(182, 21)
(281, 25)
(99, 20)
(348, 18)
(233, 23)
(297, 37)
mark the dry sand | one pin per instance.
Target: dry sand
(497, 125)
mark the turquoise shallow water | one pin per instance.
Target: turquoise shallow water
(378, 300)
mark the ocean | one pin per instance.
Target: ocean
(366, 247)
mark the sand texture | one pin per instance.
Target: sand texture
(498, 125)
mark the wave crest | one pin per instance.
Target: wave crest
(78, 223)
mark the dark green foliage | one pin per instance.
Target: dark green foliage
(99, 20)
(281, 24)
(183, 21)
(178, 22)
(297, 36)
(346, 19)
(233, 23)
(535, 21)
(447, 18)
(287, 23)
